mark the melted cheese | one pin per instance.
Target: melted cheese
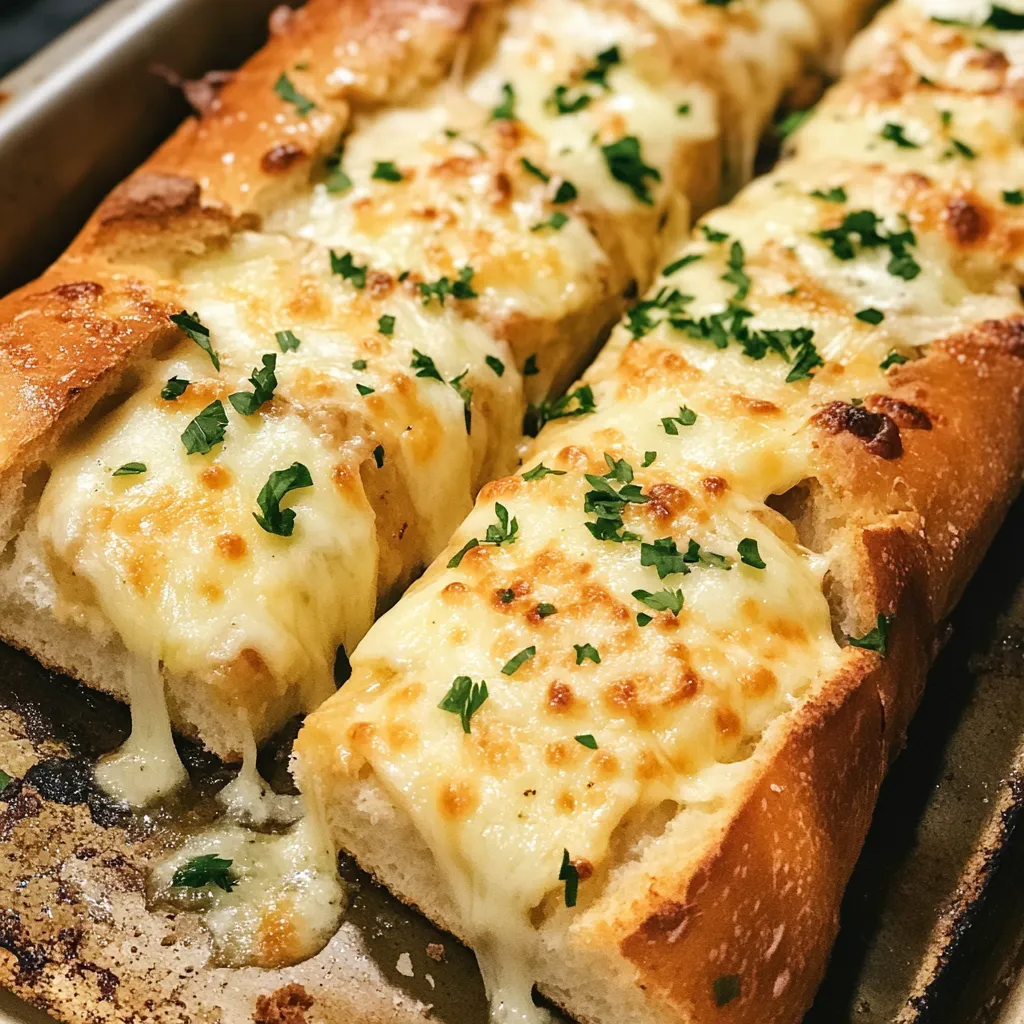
(675, 700)
(286, 902)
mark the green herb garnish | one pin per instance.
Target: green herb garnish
(277, 520)
(464, 699)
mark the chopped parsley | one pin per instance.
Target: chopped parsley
(531, 168)
(508, 595)
(662, 601)
(664, 556)
(577, 402)
(540, 471)
(833, 195)
(207, 869)
(348, 269)
(749, 555)
(607, 503)
(735, 275)
(466, 394)
(130, 469)
(667, 304)
(287, 92)
(686, 418)
(198, 332)
(275, 519)
(502, 532)
(365, 389)
(683, 261)
(460, 288)
(565, 193)
(586, 652)
(683, 109)
(556, 222)
(206, 429)
(506, 109)
(586, 740)
(359, 364)
(626, 165)
(712, 235)
(530, 367)
(894, 358)
(597, 73)
(510, 666)
(495, 364)
(959, 148)
(287, 341)
(893, 132)
(649, 457)
(864, 227)
(1013, 197)
(337, 180)
(464, 699)
(385, 170)
(378, 455)
(568, 874)
(876, 639)
(544, 609)
(386, 325)
(726, 988)
(870, 315)
(425, 366)
(5, 780)
(643, 619)
(563, 100)
(174, 389)
(790, 123)
(264, 382)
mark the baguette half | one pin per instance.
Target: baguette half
(704, 642)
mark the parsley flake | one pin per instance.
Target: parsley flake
(464, 699)
(206, 429)
(277, 520)
(130, 469)
(893, 132)
(461, 288)
(790, 123)
(664, 556)
(348, 269)
(578, 402)
(649, 458)
(385, 170)
(749, 555)
(365, 389)
(287, 341)
(264, 383)
(198, 332)
(726, 988)
(506, 109)
(495, 364)
(378, 455)
(571, 876)
(585, 652)
(686, 418)
(626, 165)
(876, 639)
(544, 609)
(870, 315)
(425, 366)
(1014, 197)
(586, 740)
(556, 222)
(662, 601)
(540, 471)
(894, 358)
(531, 168)
(287, 92)
(207, 869)
(833, 195)
(683, 261)
(514, 663)
(174, 388)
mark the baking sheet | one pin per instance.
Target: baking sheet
(933, 924)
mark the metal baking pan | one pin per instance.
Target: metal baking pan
(932, 928)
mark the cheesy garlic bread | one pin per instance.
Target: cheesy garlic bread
(625, 735)
(261, 389)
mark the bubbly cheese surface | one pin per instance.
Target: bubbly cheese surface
(637, 608)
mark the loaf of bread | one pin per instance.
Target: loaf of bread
(261, 389)
(625, 735)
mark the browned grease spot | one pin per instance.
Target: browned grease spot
(903, 414)
(216, 477)
(714, 485)
(230, 545)
(667, 500)
(560, 696)
(454, 591)
(211, 592)
(77, 291)
(456, 799)
(878, 431)
(565, 802)
(966, 220)
(556, 753)
(278, 938)
(584, 869)
(727, 722)
(280, 157)
(759, 682)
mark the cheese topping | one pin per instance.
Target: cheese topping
(610, 632)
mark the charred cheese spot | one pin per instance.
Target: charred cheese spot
(281, 157)
(457, 799)
(966, 221)
(878, 431)
(231, 545)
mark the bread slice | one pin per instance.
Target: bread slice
(628, 746)
(394, 229)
